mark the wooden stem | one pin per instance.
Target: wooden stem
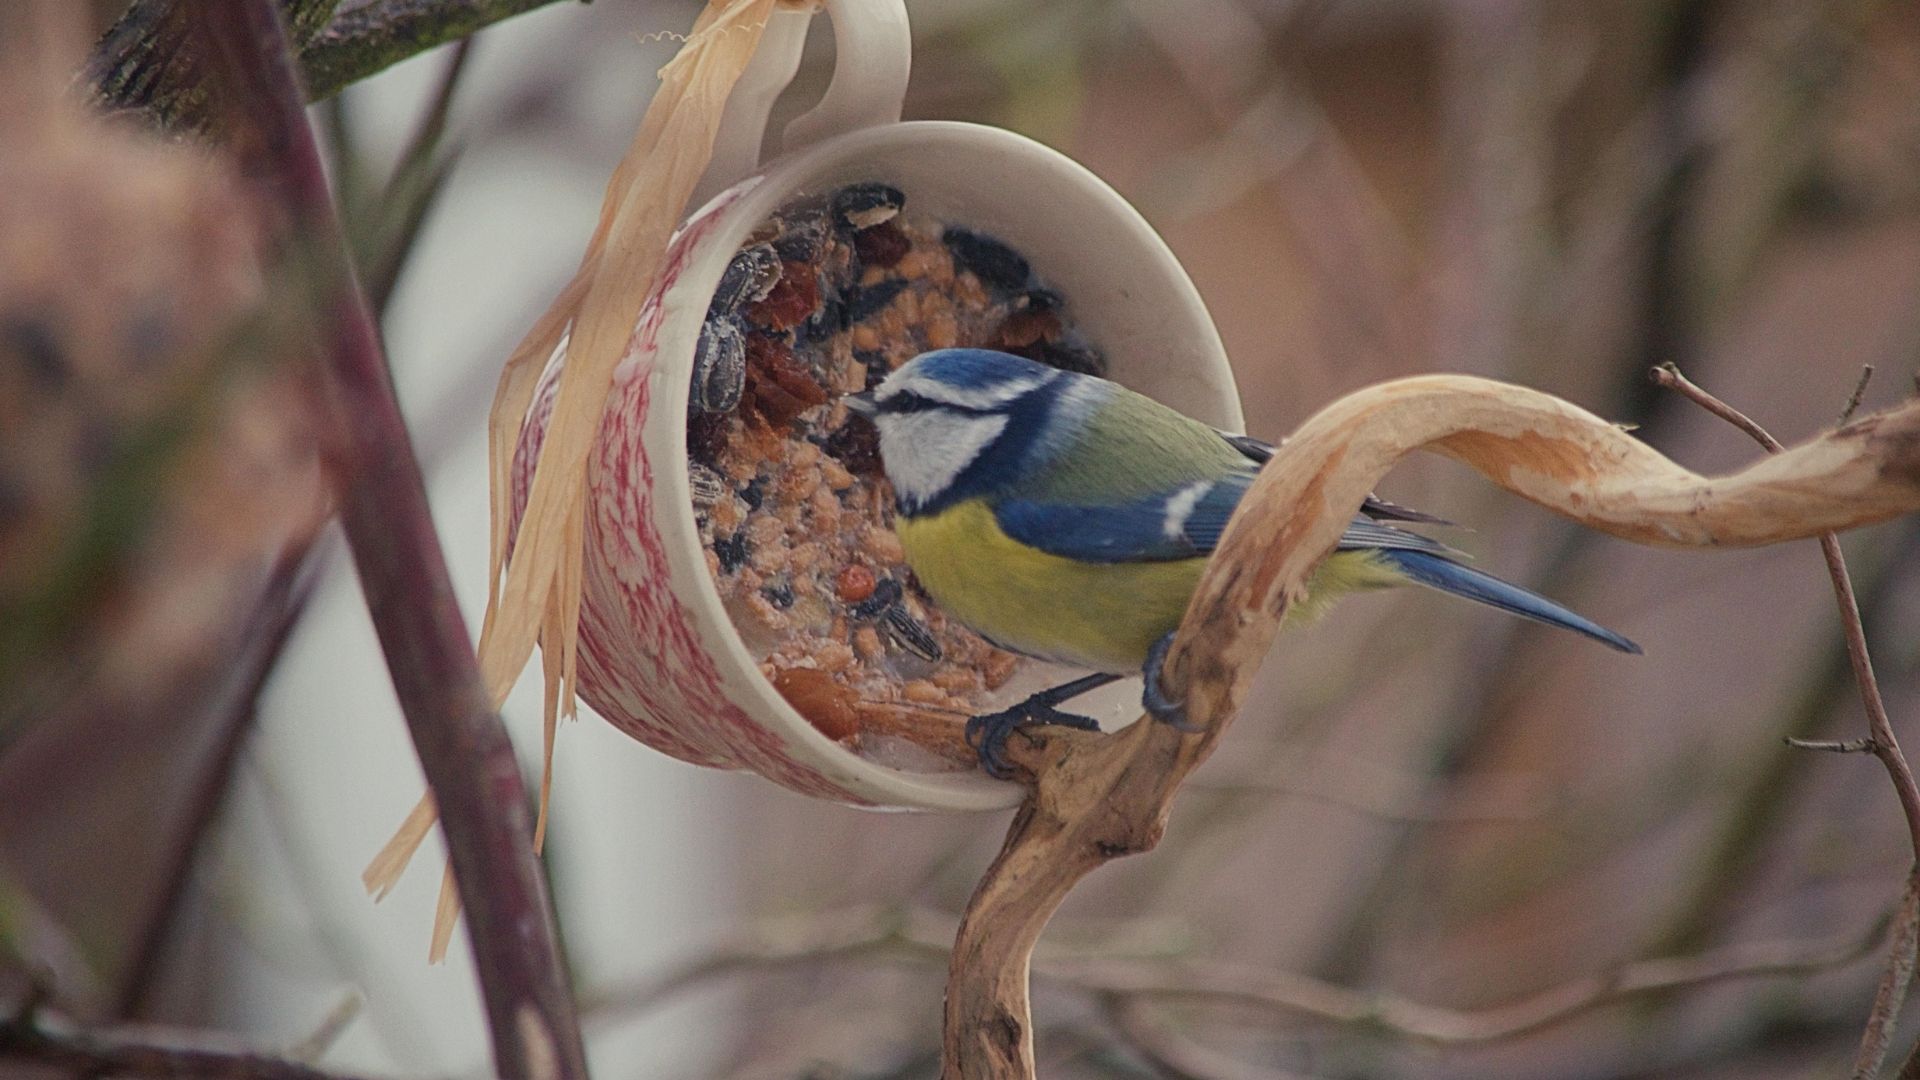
(463, 747)
(1094, 797)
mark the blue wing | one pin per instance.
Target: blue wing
(1179, 524)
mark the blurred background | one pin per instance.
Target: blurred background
(1456, 816)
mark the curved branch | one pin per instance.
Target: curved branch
(1096, 797)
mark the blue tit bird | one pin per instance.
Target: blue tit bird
(1067, 518)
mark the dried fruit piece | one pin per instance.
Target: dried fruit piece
(1025, 328)
(855, 583)
(882, 246)
(733, 551)
(781, 385)
(826, 704)
(856, 444)
(706, 436)
(790, 302)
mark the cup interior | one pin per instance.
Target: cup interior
(1124, 289)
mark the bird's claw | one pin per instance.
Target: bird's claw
(1153, 697)
(988, 733)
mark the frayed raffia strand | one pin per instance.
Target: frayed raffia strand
(538, 589)
(386, 867)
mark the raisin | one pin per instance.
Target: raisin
(733, 551)
(856, 444)
(1024, 328)
(706, 436)
(790, 302)
(779, 384)
(998, 266)
(779, 594)
(854, 584)
(883, 245)
(1065, 355)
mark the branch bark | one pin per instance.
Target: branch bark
(463, 747)
(367, 38)
(1096, 797)
(143, 62)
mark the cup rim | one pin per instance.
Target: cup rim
(736, 211)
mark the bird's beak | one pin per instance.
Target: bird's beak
(862, 404)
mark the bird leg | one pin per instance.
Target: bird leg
(988, 733)
(1154, 699)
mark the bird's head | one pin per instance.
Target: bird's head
(956, 421)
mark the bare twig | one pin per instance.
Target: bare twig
(919, 938)
(1881, 741)
(1834, 746)
(38, 1036)
(462, 745)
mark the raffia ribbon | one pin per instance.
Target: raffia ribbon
(536, 597)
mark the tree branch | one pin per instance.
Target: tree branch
(140, 63)
(1880, 742)
(462, 745)
(366, 38)
(1095, 797)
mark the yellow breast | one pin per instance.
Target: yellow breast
(1103, 616)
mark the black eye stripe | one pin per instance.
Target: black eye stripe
(906, 401)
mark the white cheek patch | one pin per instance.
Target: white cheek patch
(925, 451)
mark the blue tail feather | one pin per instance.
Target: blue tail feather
(1451, 577)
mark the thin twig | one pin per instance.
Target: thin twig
(919, 938)
(1859, 391)
(1833, 746)
(37, 1036)
(1881, 741)
(462, 745)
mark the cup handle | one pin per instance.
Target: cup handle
(873, 53)
(743, 124)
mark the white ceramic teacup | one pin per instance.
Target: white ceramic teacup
(659, 657)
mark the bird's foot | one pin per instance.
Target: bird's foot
(1154, 697)
(988, 733)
